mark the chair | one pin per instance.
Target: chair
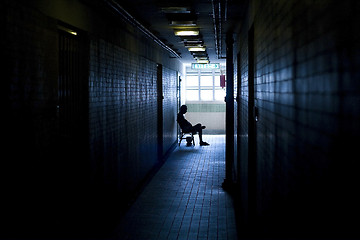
(184, 135)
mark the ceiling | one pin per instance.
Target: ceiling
(163, 17)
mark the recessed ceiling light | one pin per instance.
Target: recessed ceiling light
(187, 33)
(183, 23)
(193, 45)
(202, 61)
(193, 41)
(199, 54)
(197, 49)
(175, 10)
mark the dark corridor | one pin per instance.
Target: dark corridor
(91, 91)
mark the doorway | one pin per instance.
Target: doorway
(72, 104)
(159, 82)
(252, 131)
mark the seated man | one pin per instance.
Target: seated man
(187, 127)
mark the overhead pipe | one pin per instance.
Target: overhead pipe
(217, 21)
(220, 30)
(215, 29)
(130, 19)
(226, 7)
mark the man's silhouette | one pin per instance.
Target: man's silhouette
(187, 127)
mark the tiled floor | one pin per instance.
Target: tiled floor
(184, 200)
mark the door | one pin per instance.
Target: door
(72, 90)
(237, 114)
(160, 111)
(72, 106)
(252, 165)
(179, 82)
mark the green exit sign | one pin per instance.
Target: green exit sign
(205, 65)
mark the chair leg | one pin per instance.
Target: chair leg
(181, 138)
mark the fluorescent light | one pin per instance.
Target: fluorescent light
(183, 23)
(193, 41)
(197, 49)
(193, 45)
(187, 33)
(199, 54)
(202, 61)
(201, 58)
(175, 10)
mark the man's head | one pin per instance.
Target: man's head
(183, 109)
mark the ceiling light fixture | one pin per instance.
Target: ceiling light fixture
(199, 54)
(193, 41)
(193, 45)
(202, 61)
(197, 49)
(187, 33)
(175, 10)
(183, 23)
(200, 58)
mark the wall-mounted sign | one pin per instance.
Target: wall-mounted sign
(205, 65)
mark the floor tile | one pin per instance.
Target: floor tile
(184, 200)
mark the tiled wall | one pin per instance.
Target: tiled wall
(29, 54)
(29, 99)
(123, 111)
(307, 92)
(123, 119)
(50, 176)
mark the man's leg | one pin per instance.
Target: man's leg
(198, 128)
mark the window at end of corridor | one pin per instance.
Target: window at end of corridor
(204, 86)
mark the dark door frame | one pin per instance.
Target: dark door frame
(159, 83)
(252, 132)
(229, 158)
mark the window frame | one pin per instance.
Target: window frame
(199, 73)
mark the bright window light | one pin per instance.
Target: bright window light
(192, 95)
(206, 81)
(220, 94)
(206, 95)
(192, 81)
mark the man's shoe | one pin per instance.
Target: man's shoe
(204, 144)
(203, 127)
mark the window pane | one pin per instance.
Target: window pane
(217, 81)
(220, 94)
(206, 81)
(192, 81)
(206, 95)
(192, 95)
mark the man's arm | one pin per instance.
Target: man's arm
(182, 121)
